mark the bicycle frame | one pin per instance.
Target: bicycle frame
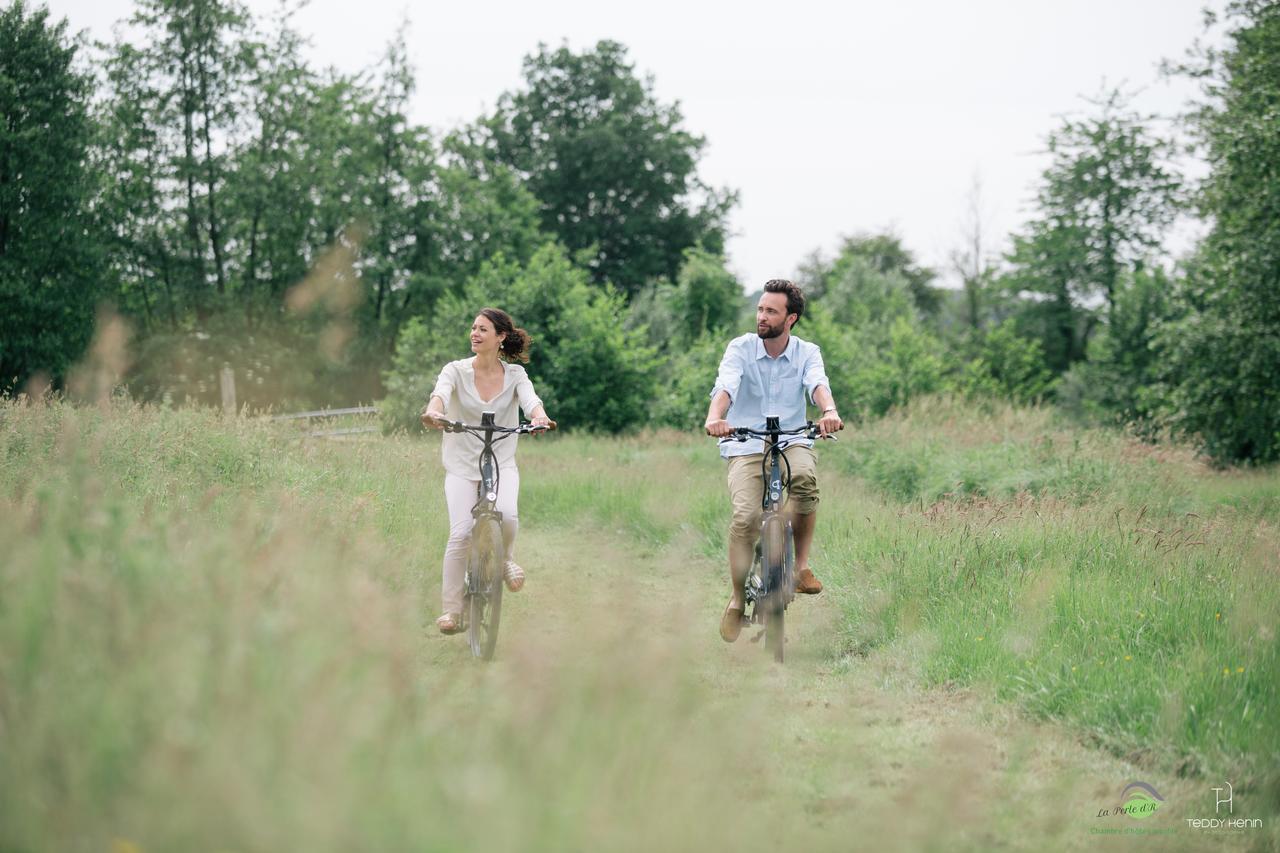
(490, 476)
(483, 589)
(776, 484)
(770, 584)
(487, 490)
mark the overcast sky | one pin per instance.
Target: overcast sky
(829, 118)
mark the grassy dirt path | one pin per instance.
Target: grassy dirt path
(683, 741)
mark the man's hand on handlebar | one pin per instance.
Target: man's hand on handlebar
(719, 428)
(829, 424)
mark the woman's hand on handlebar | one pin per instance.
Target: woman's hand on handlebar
(434, 420)
(542, 423)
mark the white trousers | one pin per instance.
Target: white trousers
(460, 495)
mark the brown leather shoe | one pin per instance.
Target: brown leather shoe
(731, 622)
(808, 584)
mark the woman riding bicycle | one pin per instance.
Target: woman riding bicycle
(491, 381)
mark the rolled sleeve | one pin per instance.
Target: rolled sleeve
(815, 374)
(729, 376)
(444, 384)
(529, 399)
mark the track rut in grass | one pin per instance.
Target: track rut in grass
(612, 653)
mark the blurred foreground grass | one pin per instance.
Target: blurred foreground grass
(216, 635)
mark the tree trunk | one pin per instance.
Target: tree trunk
(211, 173)
(168, 287)
(193, 227)
(1110, 268)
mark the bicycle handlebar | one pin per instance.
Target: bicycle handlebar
(523, 429)
(810, 430)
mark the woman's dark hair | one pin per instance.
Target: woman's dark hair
(515, 346)
(795, 296)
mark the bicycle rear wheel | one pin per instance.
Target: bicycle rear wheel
(484, 595)
(773, 553)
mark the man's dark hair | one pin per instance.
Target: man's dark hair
(795, 296)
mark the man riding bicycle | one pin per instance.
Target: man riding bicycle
(768, 374)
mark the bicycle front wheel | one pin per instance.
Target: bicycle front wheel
(773, 553)
(484, 598)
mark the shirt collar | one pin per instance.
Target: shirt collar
(786, 353)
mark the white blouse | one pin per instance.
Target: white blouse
(457, 387)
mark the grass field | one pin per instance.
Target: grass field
(217, 635)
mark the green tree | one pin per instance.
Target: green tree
(275, 177)
(862, 295)
(174, 115)
(709, 298)
(1115, 382)
(1104, 203)
(863, 312)
(688, 322)
(1220, 360)
(477, 210)
(49, 245)
(865, 257)
(706, 298)
(873, 368)
(613, 168)
(1006, 365)
(201, 47)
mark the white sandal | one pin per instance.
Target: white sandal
(513, 575)
(449, 623)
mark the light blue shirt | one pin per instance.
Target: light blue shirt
(760, 386)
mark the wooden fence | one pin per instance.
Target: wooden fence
(227, 382)
(324, 414)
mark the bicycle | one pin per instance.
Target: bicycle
(771, 585)
(482, 584)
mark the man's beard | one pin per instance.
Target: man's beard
(769, 332)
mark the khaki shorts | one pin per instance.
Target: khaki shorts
(746, 488)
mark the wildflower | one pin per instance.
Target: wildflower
(1128, 657)
(979, 639)
(1217, 616)
(1239, 669)
(1226, 670)
(1073, 669)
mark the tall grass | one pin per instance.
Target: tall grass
(217, 635)
(214, 635)
(1129, 590)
